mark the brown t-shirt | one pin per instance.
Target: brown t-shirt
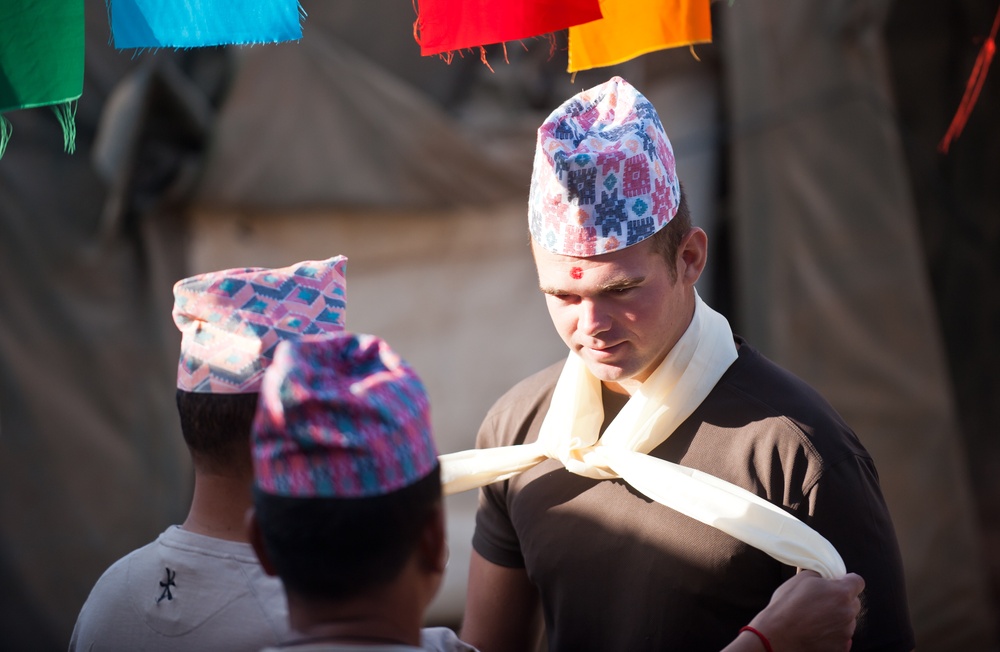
(616, 571)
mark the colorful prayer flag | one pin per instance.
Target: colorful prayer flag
(41, 60)
(631, 28)
(200, 23)
(449, 25)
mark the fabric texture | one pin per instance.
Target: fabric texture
(817, 168)
(571, 433)
(448, 25)
(184, 591)
(432, 639)
(690, 586)
(629, 28)
(232, 320)
(41, 61)
(397, 149)
(343, 417)
(198, 23)
(604, 175)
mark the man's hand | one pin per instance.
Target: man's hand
(808, 612)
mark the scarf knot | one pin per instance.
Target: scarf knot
(582, 458)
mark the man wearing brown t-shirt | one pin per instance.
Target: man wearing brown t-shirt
(611, 569)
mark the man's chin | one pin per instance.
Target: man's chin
(606, 372)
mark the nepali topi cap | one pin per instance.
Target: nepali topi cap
(232, 320)
(604, 176)
(341, 418)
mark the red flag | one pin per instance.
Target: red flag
(448, 25)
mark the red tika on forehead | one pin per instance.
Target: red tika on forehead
(576, 273)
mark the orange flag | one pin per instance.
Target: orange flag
(631, 28)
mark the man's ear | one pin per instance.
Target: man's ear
(434, 541)
(692, 255)
(257, 541)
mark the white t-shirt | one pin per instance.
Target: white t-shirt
(432, 639)
(184, 591)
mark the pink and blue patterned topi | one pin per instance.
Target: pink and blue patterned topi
(604, 176)
(343, 417)
(233, 320)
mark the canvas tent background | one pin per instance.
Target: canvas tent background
(206, 159)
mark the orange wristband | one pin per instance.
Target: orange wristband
(756, 632)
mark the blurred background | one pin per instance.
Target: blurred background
(843, 245)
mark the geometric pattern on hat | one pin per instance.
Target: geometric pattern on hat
(344, 417)
(604, 176)
(232, 320)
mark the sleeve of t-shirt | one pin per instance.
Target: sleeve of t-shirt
(847, 507)
(495, 538)
(514, 419)
(442, 639)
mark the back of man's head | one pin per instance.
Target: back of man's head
(336, 549)
(346, 479)
(216, 429)
(231, 322)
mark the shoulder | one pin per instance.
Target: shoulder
(108, 605)
(778, 391)
(771, 384)
(766, 390)
(116, 576)
(443, 639)
(506, 422)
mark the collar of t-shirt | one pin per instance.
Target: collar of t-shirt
(570, 433)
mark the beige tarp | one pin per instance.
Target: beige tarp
(831, 282)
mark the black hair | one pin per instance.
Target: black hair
(338, 548)
(216, 428)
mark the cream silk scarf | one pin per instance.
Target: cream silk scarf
(570, 434)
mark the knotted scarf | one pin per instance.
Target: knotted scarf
(570, 433)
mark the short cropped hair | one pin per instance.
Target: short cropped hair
(667, 240)
(216, 429)
(338, 548)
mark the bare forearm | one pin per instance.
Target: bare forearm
(501, 612)
(745, 642)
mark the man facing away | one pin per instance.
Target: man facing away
(347, 497)
(654, 377)
(199, 585)
(348, 512)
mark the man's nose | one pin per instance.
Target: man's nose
(593, 319)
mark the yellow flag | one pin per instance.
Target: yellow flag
(630, 28)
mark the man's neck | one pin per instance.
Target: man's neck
(219, 506)
(613, 402)
(367, 620)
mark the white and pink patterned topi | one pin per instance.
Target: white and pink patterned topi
(604, 176)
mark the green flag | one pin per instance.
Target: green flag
(41, 60)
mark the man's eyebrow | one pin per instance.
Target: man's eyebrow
(610, 286)
(622, 283)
